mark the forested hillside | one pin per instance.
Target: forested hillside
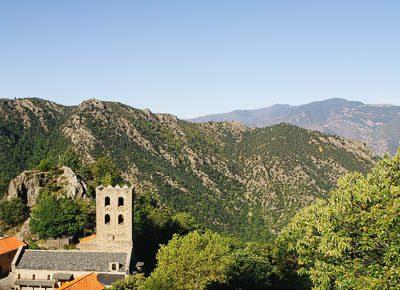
(246, 182)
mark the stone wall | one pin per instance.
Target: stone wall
(5, 262)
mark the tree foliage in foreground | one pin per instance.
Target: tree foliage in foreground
(132, 282)
(192, 262)
(155, 225)
(351, 240)
(211, 261)
(56, 216)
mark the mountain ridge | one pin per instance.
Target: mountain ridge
(231, 178)
(376, 125)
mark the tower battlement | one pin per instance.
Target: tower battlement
(117, 187)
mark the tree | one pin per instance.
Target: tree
(192, 262)
(251, 268)
(185, 222)
(13, 212)
(4, 182)
(69, 159)
(352, 239)
(131, 282)
(105, 172)
(58, 216)
(46, 164)
(155, 225)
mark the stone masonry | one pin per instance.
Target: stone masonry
(114, 220)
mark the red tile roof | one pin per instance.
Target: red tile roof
(87, 239)
(85, 282)
(10, 244)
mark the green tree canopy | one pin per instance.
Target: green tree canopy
(192, 262)
(46, 164)
(70, 159)
(58, 216)
(155, 225)
(13, 212)
(211, 261)
(131, 282)
(251, 267)
(351, 240)
(105, 172)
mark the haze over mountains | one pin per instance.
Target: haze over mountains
(376, 125)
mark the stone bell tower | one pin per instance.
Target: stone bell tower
(114, 220)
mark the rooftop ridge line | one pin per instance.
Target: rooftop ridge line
(74, 251)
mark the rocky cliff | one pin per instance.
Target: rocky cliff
(29, 184)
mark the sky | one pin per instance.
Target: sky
(192, 58)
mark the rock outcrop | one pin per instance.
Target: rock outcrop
(73, 184)
(28, 184)
(25, 231)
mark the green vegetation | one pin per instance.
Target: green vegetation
(352, 239)
(211, 198)
(230, 179)
(207, 260)
(12, 213)
(155, 225)
(252, 267)
(105, 172)
(58, 216)
(26, 139)
(132, 282)
(191, 262)
(348, 241)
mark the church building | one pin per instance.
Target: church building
(108, 254)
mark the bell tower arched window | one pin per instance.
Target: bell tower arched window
(120, 201)
(107, 201)
(120, 219)
(107, 219)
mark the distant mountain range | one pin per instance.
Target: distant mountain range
(376, 125)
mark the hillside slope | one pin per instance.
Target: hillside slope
(247, 182)
(378, 126)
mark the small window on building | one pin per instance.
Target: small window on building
(19, 276)
(48, 277)
(106, 201)
(120, 201)
(113, 266)
(120, 219)
(107, 219)
(33, 277)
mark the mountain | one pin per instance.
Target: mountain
(244, 181)
(376, 125)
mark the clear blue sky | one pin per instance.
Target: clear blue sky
(192, 58)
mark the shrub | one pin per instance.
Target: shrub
(13, 212)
